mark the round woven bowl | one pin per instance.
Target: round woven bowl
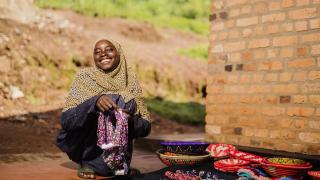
(278, 170)
(288, 162)
(185, 147)
(180, 159)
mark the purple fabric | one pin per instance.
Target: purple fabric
(114, 129)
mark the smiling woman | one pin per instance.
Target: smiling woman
(98, 98)
(105, 55)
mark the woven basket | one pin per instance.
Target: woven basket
(181, 159)
(185, 147)
(278, 170)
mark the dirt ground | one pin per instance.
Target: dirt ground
(36, 132)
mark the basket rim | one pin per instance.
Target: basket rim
(305, 163)
(185, 157)
(265, 163)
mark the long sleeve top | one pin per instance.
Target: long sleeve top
(78, 136)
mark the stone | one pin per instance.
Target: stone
(15, 92)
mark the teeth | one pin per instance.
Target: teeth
(105, 61)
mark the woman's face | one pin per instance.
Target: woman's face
(105, 55)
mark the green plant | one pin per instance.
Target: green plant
(189, 112)
(197, 52)
(185, 15)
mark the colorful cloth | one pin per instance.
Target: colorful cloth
(193, 175)
(92, 81)
(256, 174)
(112, 133)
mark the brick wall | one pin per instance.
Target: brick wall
(264, 74)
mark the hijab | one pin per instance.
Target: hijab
(93, 81)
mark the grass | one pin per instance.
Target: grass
(197, 52)
(190, 112)
(185, 15)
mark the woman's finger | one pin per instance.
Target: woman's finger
(107, 105)
(100, 107)
(112, 103)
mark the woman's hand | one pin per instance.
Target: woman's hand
(105, 103)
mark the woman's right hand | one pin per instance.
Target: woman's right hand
(105, 103)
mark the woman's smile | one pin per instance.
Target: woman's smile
(105, 55)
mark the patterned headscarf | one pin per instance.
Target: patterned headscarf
(93, 81)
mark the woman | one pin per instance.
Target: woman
(110, 85)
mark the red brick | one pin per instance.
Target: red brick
(246, 9)
(259, 30)
(259, 89)
(302, 13)
(247, 21)
(272, 28)
(247, 55)
(249, 67)
(310, 137)
(230, 23)
(286, 52)
(218, 26)
(223, 36)
(245, 78)
(246, 32)
(246, 110)
(271, 53)
(251, 99)
(234, 34)
(287, 3)
(285, 40)
(213, 129)
(314, 23)
(216, 119)
(257, 78)
(260, 7)
(276, 17)
(234, 46)
(287, 27)
(303, 2)
(234, 12)
(300, 76)
(301, 63)
(271, 77)
(259, 43)
(314, 124)
(302, 51)
(214, 89)
(255, 132)
(234, 57)
(259, 53)
(298, 124)
(285, 77)
(285, 88)
(314, 75)
(271, 99)
(315, 49)
(282, 134)
(218, 48)
(300, 111)
(314, 99)
(238, 2)
(274, 5)
(232, 79)
(299, 99)
(311, 37)
(301, 25)
(234, 89)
